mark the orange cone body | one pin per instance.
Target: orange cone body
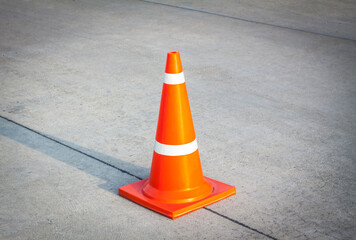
(176, 184)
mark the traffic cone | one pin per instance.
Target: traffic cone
(176, 185)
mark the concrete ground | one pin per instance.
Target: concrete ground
(272, 90)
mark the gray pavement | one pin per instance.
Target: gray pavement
(272, 92)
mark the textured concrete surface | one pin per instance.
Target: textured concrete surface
(272, 92)
(332, 18)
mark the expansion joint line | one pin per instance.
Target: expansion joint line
(247, 20)
(71, 148)
(126, 172)
(240, 223)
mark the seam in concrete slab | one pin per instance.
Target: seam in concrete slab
(240, 223)
(76, 150)
(248, 20)
(124, 171)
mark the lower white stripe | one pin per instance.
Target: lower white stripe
(176, 150)
(172, 79)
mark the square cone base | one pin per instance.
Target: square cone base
(134, 193)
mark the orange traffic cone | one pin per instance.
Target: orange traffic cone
(176, 185)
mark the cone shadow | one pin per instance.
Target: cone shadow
(76, 156)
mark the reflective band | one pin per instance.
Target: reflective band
(176, 150)
(172, 79)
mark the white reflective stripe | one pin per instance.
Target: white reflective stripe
(176, 150)
(176, 78)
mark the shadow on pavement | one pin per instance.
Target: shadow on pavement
(76, 156)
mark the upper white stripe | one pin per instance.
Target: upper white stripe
(176, 150)
(176, 78)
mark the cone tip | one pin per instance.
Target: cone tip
(173, 65)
